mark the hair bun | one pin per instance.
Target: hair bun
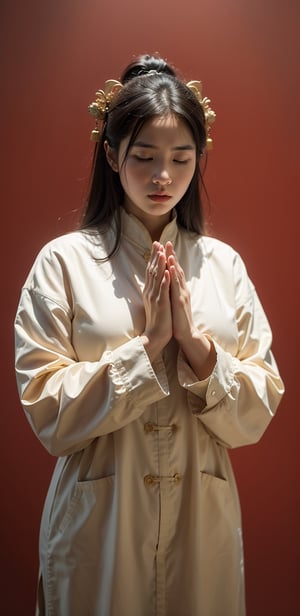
(144, 64)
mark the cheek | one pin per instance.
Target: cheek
(192, 172)
(133, 175)
(187, 178)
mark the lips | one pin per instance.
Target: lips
(159, 197)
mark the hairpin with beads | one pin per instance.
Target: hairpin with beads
(100, 106)
(210, 116)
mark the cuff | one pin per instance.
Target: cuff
(134, 373)
(216, 386)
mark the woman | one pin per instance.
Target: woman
(142, 355)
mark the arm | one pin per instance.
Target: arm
(235, 396)
(70, 402)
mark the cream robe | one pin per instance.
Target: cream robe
(142, 516)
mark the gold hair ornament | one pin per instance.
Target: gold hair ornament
(210, 116)
(100, 106)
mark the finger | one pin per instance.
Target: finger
(153, 259)
(171, 254)
(174, 275)
(157, 250)
(169, 249)
(165, 285)
(155, 273)
(157, 247)
(172, 262)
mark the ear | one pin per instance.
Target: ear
(111, 156)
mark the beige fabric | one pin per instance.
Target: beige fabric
(142, 516)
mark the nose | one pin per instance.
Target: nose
(161, 178)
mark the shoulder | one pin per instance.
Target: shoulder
(219, 251)
(56, 254)
(220, 262)
(229, 268)
(225, 257)
(62, 261)
(67, 250)
(70, 243)
(210, 248)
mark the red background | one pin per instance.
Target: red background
(54, 55)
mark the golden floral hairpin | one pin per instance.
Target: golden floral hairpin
(100, 106)
(210, 116)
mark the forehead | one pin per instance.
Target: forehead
(169, 129)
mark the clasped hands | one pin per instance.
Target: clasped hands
(168, 312)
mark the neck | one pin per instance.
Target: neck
(154, 224)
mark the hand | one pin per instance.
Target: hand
(182, 319)
(156, 296)
(198, 349)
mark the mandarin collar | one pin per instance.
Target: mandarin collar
(134, 231)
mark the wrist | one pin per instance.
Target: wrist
(200, 353)
(153, 347)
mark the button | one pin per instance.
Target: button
(148, 427)
(147, 255)
(177, 478)
(213, 393)
(148, 480)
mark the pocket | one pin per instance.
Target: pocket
(90, 502)
(213, 482)
(219, 505)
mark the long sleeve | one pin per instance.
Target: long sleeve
(238, 401)
(70, 401)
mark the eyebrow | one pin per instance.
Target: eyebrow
(142, 144)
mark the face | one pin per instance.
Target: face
(157, 170)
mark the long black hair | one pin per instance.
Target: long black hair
(151, 88)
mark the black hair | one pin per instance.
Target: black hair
(151, 88)
(146, 64)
